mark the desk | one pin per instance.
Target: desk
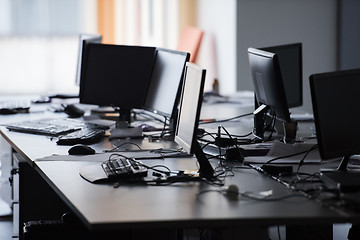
(178, 205)
(154, 207)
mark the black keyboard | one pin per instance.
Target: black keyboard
(122, 168)
(82, 136)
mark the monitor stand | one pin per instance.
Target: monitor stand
(342, 178)
(259, 119)
(343, 166)
(123, 129)
(285, 130)
(103, 110)
(206, 170)
(124, 118)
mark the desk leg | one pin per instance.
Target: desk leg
(304, 232)
(37, 201)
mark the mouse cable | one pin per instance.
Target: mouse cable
(291, 155)
(182, 178)
(228, 119)
(236, 145)
(206, 133)
(303, 158)
(233, 135)
(150, 116)
(120, 145)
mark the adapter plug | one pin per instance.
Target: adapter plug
(224, 142)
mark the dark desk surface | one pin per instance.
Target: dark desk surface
(179, 205)
(102, 206)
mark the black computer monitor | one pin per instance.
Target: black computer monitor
(335, 100)
(116, 75)
(84, 39)
(189, 114)
(166, 81)
(290, 61)
(268, 87)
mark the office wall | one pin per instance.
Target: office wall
(38, 64)
(263, 23)
(349, 39)
(218, 47)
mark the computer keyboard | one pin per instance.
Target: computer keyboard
(122, 168)
(82, 136)
(8, 106)
(53, 127)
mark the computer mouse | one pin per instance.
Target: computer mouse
(232, 191)
(73, 111)
(80, 149)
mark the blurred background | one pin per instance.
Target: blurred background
(39, 38)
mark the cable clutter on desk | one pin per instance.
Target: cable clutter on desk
(120, 169)
(309, 185)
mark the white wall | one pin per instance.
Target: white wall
(263, 23)
(218, 47)
(38, 64)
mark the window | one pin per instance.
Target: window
(39, 38)
(38, 44)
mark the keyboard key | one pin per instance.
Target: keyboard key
(121, 168)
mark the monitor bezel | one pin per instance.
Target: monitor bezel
(84, 39)
(298, 47)
(193, 147)
(187, 146)
(173, 113)
(273, 87)
(324, 152)
(116, 103)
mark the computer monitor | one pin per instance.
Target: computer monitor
(166, 81)
(335, 101)
(116, 75)
(268, 87)
(189, 114)
(290, 61)
(84, 39)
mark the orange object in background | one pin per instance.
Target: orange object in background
(190, 40)
(106, 17)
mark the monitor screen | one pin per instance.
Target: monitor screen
(189, 114)
(166, 80)
(268, 83)
(335, 99)
(84, 39)
(290, 60)
(190, 107)
(116, 75)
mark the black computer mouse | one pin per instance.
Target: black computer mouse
(80, 149)
(73, 111)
